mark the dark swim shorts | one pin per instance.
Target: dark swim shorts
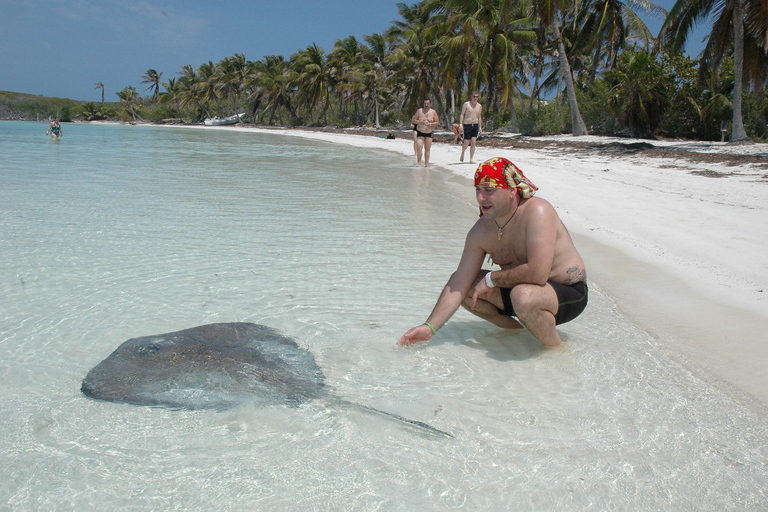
(571, 300)
(422, 134)
(471, 131)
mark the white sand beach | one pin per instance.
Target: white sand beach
(680, 245)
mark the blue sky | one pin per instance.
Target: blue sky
(63, 47)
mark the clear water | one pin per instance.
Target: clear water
(115, 232)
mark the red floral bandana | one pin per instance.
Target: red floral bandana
(499, 172)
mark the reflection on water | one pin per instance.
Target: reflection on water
(117, 232)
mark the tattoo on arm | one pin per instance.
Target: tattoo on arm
(575, 275)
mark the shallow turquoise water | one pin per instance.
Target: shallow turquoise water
(115, 232)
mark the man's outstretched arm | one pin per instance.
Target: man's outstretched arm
(452, 295)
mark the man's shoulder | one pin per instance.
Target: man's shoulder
(538, 207)
(537, 202)
(479, 231)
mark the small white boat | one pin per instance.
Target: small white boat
(223, 121)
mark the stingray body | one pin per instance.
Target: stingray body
(216, 366)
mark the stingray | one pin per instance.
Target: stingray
(217, 366)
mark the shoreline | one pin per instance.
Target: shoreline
(675, 242)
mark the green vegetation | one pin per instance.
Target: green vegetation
(542, 67)
(15, 105)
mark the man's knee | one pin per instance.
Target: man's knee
(529, 298)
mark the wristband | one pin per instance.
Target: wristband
(488, 280)
(430, 326)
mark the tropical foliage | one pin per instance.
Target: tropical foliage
(541, 66)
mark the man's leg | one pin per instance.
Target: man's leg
(419, 149)
(536, 307)
(463, 149)
(427, 147)
(489, 309)
(472, 150)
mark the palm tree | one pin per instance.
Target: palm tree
(345, 61)
(90, 111)
(508, 34)
(641, 90)
(172, 95)
(152, 78)
(100, 85)
(550, 13)
(314, 78)
(270, 81)
(187, 94)
(128, 100)
(206, 88)
(731, 16)
(484, 42)
(606, 26)
(417, 54)
(375, 55)
(231, 78)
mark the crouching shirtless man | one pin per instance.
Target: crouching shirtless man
(542, 281)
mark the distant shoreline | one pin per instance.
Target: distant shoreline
(690, 150)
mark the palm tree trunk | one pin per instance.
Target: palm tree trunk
(577, 123)
(536, 74)
(761, 120)
(738, 134)
(376, 107)
(595, 63)
(453, 105)
(441, 106)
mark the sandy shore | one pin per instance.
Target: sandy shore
(676, 233)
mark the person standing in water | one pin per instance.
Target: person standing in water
(471, 125)
(542, 282)
(55, 129)
(426, 121)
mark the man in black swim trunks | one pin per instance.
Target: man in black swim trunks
(542, 281)
(426, 121)
(471, 125)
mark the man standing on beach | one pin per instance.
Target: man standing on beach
(426, 121)
(471, 123)
(542, 281)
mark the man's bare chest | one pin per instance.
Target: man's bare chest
(508, 252)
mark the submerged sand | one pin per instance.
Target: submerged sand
(674, 231)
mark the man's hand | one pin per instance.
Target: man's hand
(415, 335)
(481, 291)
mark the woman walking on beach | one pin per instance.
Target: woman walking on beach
(55, 129)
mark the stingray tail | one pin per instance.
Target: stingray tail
(420, 424)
